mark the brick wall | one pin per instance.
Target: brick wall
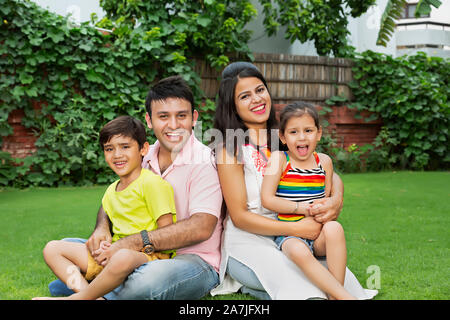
(21, 143)
(351, 130)
(346, 128)
(342, 121)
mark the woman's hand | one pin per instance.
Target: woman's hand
(328, 209)
(325, 209)
(307, 228)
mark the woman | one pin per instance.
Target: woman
(249, 255)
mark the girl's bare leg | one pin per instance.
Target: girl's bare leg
(331, 243)
(121, 264)
(300, 254)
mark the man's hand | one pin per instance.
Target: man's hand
(101, 232)
(97, 237)
(325, 209)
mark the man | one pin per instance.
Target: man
(183, 161)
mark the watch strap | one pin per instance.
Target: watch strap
(145, 239)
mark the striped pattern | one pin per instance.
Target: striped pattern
(301, 185)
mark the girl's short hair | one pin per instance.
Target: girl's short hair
(226, 116)
(297, 109)
(125, 126)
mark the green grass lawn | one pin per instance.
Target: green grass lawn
(397, 221)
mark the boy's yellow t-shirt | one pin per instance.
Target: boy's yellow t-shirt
(139, 206)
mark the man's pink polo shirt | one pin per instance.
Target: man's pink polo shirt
(196, 186)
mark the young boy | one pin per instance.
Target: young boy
(140, 200)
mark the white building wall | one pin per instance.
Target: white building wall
(260, 42)
(441, 14)
(363, 35)
(80, 9)
(430, 38)
(364, 30)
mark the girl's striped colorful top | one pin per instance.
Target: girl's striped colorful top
(300, 185)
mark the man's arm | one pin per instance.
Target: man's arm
(102, 232)
(328, 209)
(197, 228)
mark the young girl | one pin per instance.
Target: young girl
(292, 181)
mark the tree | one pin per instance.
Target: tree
(393, 11)
(324, 22)
(70, 80)
(175, 31)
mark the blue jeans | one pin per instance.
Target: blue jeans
(243, 274)
(185, 277)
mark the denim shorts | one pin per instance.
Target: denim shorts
(281, 239)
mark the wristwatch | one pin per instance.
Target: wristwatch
(148, 248)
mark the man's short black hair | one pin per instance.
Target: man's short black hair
(171, 87)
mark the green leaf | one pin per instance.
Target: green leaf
(59, 94)
(392, 12)
(91, 155)
(35, 178)
(147, 46)
(25, 78)
(18, 92)
(423, 7)
(204, 20)
(63, 77)
(93, 76)
(36, 41)
(81, 66)
(109, 115)
(56, 36)
(86, 47)
(31, 91)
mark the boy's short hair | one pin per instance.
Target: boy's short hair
(171, 87)
(125, 126)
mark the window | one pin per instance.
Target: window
(409, 10)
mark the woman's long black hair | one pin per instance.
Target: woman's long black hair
(226, 116)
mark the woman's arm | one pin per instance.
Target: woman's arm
(269, 200)
(328, 209)
(231, 176)
(327, 165)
